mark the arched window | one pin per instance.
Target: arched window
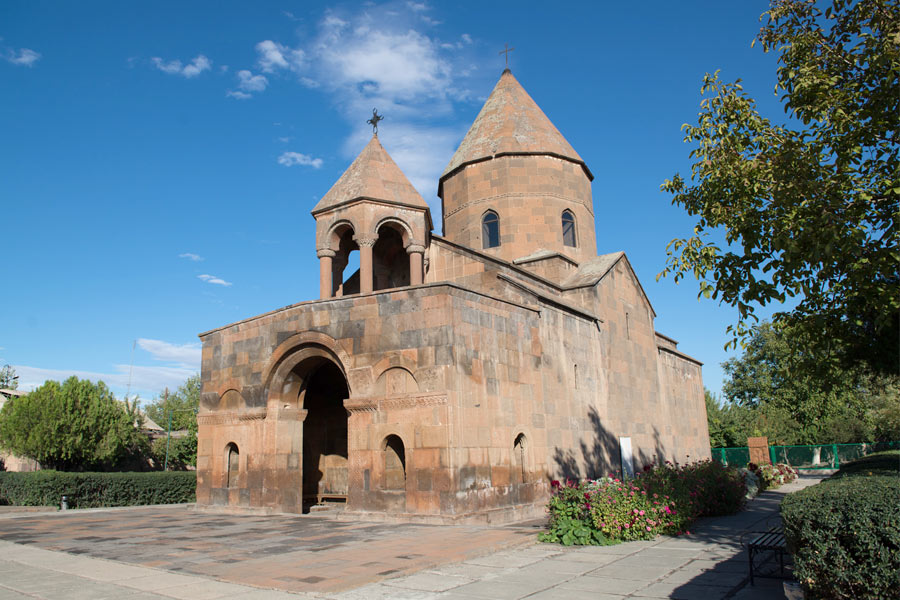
(490, 230)
(394, 463)
(519, 457)
(568, 228)
(232, 464)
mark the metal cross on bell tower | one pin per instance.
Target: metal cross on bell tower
(374, 121)
(506, 50)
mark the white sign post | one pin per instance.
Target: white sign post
(627, 458)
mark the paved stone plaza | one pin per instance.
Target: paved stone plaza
(173, 552)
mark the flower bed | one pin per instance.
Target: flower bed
(773, 476)
(663, 499)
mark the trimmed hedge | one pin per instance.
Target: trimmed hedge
(93, 490)
(844, 532)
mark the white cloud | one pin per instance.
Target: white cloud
(290, 159)
(145, 381)
(181, 361)
(250, 82)
(184, 355)
(24, 57)
(214, 280)
(285, 140)
(361, 60)
(274, 56)
(396, 66)
(175, 67)
(191, 256)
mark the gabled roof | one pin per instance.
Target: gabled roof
(543, 254)
(591, 272)
(510, 122)
(373, 175)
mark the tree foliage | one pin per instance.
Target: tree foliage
(809, 208)
(182, 405)
(8, 378)
(768, 395)
(76, 425)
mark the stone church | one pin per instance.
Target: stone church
(451, 377)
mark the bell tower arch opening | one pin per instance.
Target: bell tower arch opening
(390, 261)
(343, 257)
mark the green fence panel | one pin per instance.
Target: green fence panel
(820, 456)
(736, 457)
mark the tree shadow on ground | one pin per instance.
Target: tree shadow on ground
(726, 539)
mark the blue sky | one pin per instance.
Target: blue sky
(158, 161)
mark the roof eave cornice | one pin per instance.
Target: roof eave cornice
(357, 199)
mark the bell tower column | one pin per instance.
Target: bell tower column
(416, 252)
(366, 276)
(326, 287)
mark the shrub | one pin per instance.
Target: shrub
(91, 490)
(623, 510)
(570, 518)
(844, 532)
(663, 499)
(700, 489)
(71, 426)
(879, 463)
(773, 476)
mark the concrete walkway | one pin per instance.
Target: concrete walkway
(52, 559)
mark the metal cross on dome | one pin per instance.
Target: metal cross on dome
(374, 121)
(506, 50)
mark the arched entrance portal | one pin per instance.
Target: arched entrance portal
(325, 468)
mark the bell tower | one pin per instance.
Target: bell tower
(373, 209)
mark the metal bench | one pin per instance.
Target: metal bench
(764, 547)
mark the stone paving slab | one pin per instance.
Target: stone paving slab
(163, 554)
(292, 553)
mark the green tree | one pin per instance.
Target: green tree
(809, 209)
(791, 405)
(182, 405)
(728, 422)
(76, 425)
(8, 378)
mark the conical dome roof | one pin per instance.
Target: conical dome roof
(375, 176)
(510, 122)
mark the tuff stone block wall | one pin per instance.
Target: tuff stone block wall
(529, 193)
(454, 374)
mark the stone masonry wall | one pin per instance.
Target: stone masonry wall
(529, 193)
(456, 375)
(681, 384)
(657, 407)
(406, 330)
